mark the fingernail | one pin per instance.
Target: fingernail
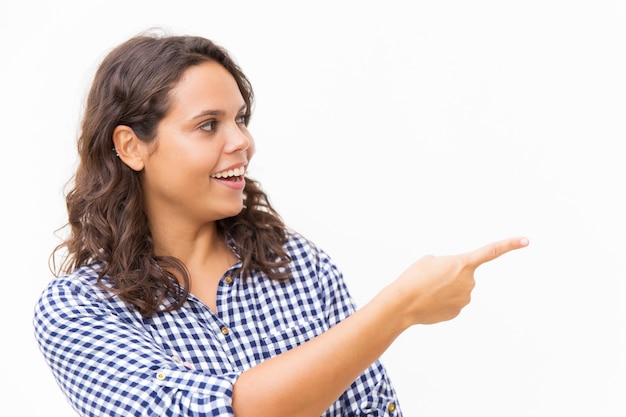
(524, 241)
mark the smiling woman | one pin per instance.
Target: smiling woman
(183, 293)
(188, 171)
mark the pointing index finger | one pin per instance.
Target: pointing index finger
(493, 250)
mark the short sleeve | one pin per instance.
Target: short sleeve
(338, 302)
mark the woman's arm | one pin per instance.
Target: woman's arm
(306, 380)
(107, 364)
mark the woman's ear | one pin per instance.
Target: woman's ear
(129, 148)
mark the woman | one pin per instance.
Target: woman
(183, 293)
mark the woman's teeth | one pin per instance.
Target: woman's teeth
(230, 173)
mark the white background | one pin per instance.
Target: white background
(385, 131)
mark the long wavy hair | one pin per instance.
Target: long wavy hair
(106, 214)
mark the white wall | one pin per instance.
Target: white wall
(385, 130)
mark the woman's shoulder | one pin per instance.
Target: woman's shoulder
(85, 276)
(298, 246)
(77, 286)
(306, 254)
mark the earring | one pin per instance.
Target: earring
(116, 154)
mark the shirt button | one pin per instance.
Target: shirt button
(224, 330)
(391, 407)
(160, 376)
(228, 280)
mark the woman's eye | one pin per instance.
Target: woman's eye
(208, 126)
(243, 119)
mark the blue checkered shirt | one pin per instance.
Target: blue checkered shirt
(110, 361)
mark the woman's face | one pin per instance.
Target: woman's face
(194, 174)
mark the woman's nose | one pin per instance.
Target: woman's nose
(239, 139)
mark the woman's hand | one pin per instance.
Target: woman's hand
(436, 288)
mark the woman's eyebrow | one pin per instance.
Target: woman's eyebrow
(209, 113)
(216, 113)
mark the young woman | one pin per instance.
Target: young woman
(182, 292)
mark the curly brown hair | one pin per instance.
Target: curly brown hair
(105, 206)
